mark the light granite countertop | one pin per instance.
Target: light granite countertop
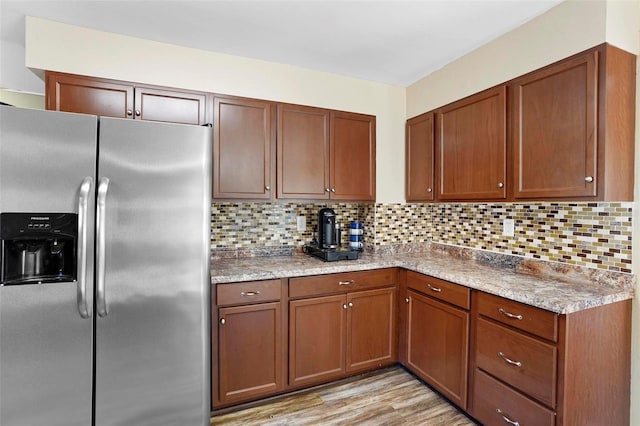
(555, 287)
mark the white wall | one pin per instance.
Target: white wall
(568, 28)
(60, 47)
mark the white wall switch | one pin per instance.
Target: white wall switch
(301, 223)
(508, 228)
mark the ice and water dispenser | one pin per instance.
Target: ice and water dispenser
(38, 247)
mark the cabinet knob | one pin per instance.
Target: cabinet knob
(351, 304)
(406, 299)
(344, 306)
(137, 113)
(267, 188)
(506, 418)
(588, 179)
(327, 189)
(223, 321)
(500, 184)
(429, 189)
(333, 190)
(129, 112)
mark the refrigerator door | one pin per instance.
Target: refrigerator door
(45, 344)
(152, 269)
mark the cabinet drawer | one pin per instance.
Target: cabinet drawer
(341, 283)
(497, 404)
(528, 318)
(444, 290)
(524, 362)
(248, 292)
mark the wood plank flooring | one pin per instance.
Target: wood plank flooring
(388, 397)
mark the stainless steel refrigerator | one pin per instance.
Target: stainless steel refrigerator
(104, 300)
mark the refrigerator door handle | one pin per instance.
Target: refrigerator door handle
(103, 186)
(83, 206)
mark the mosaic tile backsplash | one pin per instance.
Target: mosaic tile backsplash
(595, 235)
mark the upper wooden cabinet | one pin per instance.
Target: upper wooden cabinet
(242, 148)
(324, 154)
(571, 136)
(88, 95)
(471, 146)
(353, 156)
(573, 128)
(303, 152)
(419, 158)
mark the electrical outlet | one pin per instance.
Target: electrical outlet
(508, 228)
(301, 223)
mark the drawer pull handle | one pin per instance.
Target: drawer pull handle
(346, 282)
(249, 293)
(510, 315)
(509, 361)
(432, 288)
(507, 419)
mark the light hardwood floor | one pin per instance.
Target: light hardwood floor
(388, 397)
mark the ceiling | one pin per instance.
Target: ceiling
(395, 42)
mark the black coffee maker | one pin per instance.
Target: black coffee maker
(37, 248)
(328, 247)
(328, 232)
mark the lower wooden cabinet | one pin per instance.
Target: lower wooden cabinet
(332, 336)
(437, 334)
(437, 345)
(501, 361)
(531, 366)
(317, 329)
(249, 342)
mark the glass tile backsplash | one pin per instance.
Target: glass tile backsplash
(596, 235)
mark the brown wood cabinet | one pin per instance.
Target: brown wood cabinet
(303, 152)
(111, 98)
(419, 185)
(353, 156)
(243, 148)
(339, 334)
(472, 147)
(437, 334)
(324, 154)
(531, 365)
(249, 344)
(571, 136)
(573, 128)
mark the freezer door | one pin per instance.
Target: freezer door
(152, 332)
(45, 343)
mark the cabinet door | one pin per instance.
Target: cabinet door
(438, 342)
(371, 329)
(71, 93)
(242, 148)
(316, 339)
(554, 130)
(250, 351)
(353, 156)
(170, 105)
(303, 152)
(419, 158)
(471, 139)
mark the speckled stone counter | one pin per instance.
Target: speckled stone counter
(556, 287)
